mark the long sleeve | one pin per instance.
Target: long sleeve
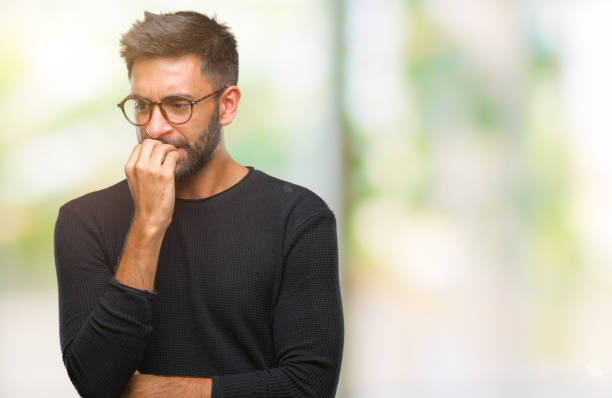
(104, 325)
(308, 326)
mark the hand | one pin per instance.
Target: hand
(150, 175)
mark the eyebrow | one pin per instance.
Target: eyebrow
(177, 94)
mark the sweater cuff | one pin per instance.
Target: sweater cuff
(216, 388)
(125, 310)
(147, 294)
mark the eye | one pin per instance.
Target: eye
(141, 106)
(176, 104)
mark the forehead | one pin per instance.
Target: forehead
(157, 77)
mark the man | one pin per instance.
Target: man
(195, 276)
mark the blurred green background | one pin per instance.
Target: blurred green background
(463, 145)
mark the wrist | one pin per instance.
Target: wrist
(146, 228)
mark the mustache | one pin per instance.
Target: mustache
(178, 144)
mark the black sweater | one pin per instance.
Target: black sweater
(246, 292)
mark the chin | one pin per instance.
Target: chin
(179, 174)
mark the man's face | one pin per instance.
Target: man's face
(195, 140)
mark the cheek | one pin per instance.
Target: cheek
(190, 134)
(200, 120)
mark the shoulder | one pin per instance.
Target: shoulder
(296, 203)
(103, 203)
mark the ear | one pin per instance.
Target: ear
(228, 105)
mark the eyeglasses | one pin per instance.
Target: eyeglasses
(176, 109)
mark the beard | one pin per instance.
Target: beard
(201, 151)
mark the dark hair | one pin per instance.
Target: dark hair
(180, 33)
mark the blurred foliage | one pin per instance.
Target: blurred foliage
(10, 72)
(554, 253)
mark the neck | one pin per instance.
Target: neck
(219, 174)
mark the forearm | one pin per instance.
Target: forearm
(108, 347)
(138, 263)
(151, 386)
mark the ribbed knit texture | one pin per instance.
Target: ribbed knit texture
(246, 293)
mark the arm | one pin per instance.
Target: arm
(105, 320)
(104, 325)
(308, 322)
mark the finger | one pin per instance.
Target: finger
(129, 165)
(147, 147)
(159, 153)
(170, 161)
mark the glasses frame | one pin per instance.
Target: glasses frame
(161, 108)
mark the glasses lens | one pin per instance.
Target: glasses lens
(177, 109)
(137, 111)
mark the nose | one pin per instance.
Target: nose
(158, 125)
